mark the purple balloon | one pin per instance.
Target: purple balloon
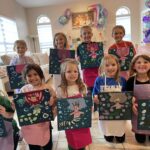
(146, 19)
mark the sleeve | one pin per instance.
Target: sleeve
(96, 88)
(4, 101)
(12, 62)
(130, 84)
(123, 80)
(78, 51)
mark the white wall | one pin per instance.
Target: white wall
(53, 12)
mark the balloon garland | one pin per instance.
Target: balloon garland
(146, 22)
(101, 15)
(65, 17)
(147, 3)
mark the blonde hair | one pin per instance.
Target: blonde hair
(132, 70)
(64, 83)
(85, 27)
(21, 42)
(108, 58)
(118, 27)
(64, 36)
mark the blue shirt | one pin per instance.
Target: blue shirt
(100, 81)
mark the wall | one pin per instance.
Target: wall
(53, 12)
(12, 10)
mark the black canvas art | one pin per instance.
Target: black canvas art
(33, 107)
(115, 105)
(56, 57)
(91, 54)
(74, 113)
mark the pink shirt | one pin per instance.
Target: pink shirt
(89, 76)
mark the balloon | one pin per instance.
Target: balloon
(147, 3)
(147, 36)
(68, 13)
(146, 19)
(63, 20)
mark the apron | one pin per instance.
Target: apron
(37, 134)
(123, 53)
(7, 142)
(141, 91)
(110, 127)
(78, 138)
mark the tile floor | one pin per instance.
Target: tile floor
(99, 143)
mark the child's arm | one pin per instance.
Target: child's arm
(53, 96)
(95, 99)
(134, 106)
(4, 113)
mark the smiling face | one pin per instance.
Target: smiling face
(71, 74)
(20, 49)
(118, 34)
(33, 78)
(60, 41)
(142, 66)
(86, 34)
(111, 68)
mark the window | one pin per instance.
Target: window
(45, 33)
(123, 18)
(8, 35)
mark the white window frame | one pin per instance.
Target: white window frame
(45, 46)
(7, 33)
(122, 16)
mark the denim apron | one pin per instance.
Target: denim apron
(141, 91)
(7, 142)
(112, 127)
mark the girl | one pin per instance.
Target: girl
(139, 81)
(124, 50)
(110, 70)
(20, 47)
(34, 77)
(9, 141)
(72, 86)
(60, 42)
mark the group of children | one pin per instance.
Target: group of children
(95, 80)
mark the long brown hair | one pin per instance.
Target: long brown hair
(64, 83)
(134, 60)
(109, 58)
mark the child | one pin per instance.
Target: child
(35, 79)
(124, 50)
(72, 86)
(89, 74)
(107, 82)
(10, 141)
(20, 47)
(139, 83)
(60, 42)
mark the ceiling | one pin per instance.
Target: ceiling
(39, 3)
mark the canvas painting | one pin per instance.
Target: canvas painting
(33, 107)
(144, 114)
(15, 76)
(2, 127)
(82, 19)
(74, 113)
(125, 56)
(115, 106)
(56, 57)
(91, 54)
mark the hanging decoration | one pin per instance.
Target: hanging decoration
(100, 15)
(146, 23)
(147, 3)
(65, 17)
